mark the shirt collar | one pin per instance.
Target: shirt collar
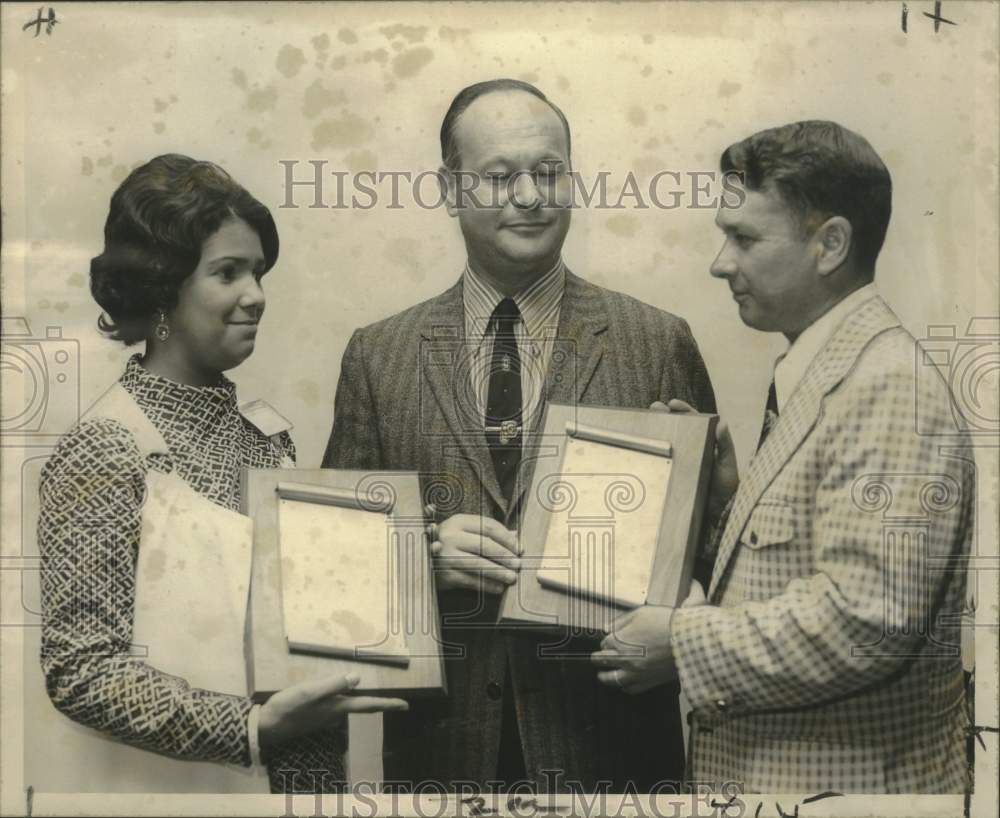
(538, 302)
(790, 368)
(136, 378)
(171, 403)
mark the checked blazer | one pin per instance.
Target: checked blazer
(828, 656)
(403, 403)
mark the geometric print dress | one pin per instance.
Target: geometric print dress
(92, 491)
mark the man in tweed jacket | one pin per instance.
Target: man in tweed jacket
(410, 397)
(828, 656)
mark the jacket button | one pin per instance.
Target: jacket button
(494, 691)
(753, 537)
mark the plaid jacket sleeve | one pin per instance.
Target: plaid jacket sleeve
(92, 491)
(794, 648)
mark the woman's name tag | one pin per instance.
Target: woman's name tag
(268, 420)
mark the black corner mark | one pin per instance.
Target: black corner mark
(937, 18)
(478, 806)
(821, 796)
(517, 803)
(977, 730)
(49, 21)
(723, 806)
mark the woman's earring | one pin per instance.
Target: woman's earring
(162, 328)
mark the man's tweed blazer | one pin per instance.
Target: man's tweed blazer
(403, 403)
(828, 655)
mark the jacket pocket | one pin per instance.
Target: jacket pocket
(770, 523)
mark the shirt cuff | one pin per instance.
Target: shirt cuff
(253, 739)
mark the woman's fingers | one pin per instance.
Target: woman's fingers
(606, 658)
(324, 688)
(370, 704)
(309, 706)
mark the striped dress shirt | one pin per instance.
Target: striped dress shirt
(535, 333)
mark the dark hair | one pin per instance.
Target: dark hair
(820, 169)
(160, 217)
(465, 97)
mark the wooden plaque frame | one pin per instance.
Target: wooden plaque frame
(271, 666)
(689, 439)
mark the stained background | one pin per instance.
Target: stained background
(646, 87)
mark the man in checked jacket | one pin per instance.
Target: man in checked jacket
(827, 657)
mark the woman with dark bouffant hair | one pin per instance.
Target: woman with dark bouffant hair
(147, 559)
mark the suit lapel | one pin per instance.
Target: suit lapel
(799, 417)
(446, 372)
(576, 353)
(579, 342)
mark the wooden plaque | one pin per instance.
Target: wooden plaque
(612, 516)
(377, 587)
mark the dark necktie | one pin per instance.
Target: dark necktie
(770, 415)
(503, 400)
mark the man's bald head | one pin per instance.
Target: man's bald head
(465, 98)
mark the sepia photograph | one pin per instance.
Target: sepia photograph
(515, 407)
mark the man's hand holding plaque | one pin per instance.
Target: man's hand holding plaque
(474, 553)
(725, 469)
(636, 655)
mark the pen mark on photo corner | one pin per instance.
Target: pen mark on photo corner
(936, 17)
(49, 21)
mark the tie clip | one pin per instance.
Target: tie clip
(508, 431)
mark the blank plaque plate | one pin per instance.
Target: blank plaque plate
(336, 596)
(605, 509)
(611, 516)
(342, 582)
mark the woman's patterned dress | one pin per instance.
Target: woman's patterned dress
(92, 491)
